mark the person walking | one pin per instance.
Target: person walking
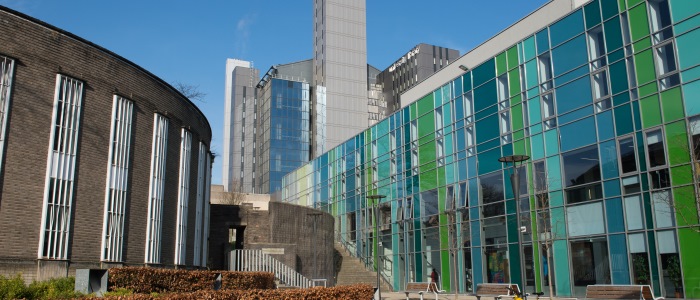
(434, 277)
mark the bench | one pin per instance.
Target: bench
(495, 290)
(421, 288)
(607, 291)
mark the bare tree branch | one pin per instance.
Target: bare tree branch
(190, 91)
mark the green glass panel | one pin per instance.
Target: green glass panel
(682, 9)
(426, 124)
(686, 212)
(687, 25)
(514, 82)
(518, 135)
(681, 175)
(609, 8)
(648, 89)
(425, 104)
(677, 141)
(641, 45)
(428, 180)
(501, 65)
(690, 74)
(529, 48)
(441, 181)
(689, 240)
(631, 3)
(623, 120)
(672, 104)
(551, 138)
(592, 14)
(644, 66)
(689, 90)
(639, 22)
(484, 72)
(622, 5)
(613, 35)
(516, 114)
(651, 114)
(687, 46)
(519, 146)
(512, 57)
(531, 74)
(516, 99)
(426, 153)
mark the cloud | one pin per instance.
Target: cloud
(242, 35)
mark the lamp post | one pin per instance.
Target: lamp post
(377, 199)
(315, 216)
(517, 161)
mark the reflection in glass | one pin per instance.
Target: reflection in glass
(590, 264)
(581, 166)
(628, 159)
(497, 265)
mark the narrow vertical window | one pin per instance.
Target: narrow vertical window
(628, 158)
(156, 189)
(596, 47)
(183, 197)
(63, 147)
(207, 189)
(7, 67)
(548, 111)
(655, 149)
(117, 176)
(201, 182)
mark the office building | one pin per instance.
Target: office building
(600, 98)
(103, 163)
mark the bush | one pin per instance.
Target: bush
(150, 280)
(350, 292)
(13, 288)
(57, 288)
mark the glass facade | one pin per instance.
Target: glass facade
(604, 103)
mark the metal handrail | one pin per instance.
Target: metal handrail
(256, 261)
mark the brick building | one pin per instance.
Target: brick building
(101, 162)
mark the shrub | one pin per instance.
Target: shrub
(57, 288)
(150, 280)
(13, 288)
(351, 292)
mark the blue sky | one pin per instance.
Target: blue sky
(189, 41)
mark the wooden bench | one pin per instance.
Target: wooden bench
(607, 291)
(421, 288)
(496, 290)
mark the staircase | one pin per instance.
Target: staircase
(352, 271)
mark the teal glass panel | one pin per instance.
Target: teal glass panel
(437, 98)
(471, 166)
(573, 95)
(613, 34)
(564, 79)
(533, 92)
(576, 114)
(537, 128)
(477, 260)
(691, 107)
(531, 74)
(535, 114)
(462, 165)
(618, 77)
(446, 115)
(449, 150)
(636, 118)
(621, 99)
(515, 271)
(566, 28)
(613, 211)
(457, 84)
(485, 96)
(476, 235)
(682, 9)
(488, 145)
(467, 81)
(611, 188)
(449, 174)
(570, 55)
(556, 199)
(487, 129)
(618, 259)
(488, 161)
(606, 127)
(529, 48)
(551, 138)
(561, 268)
(537, 144)
(609, 8)
(577, 134)
(493, 109)
(616, 55)
(512, 225)
(690, 74)
(474, 196)
(554, 172)
(623, 119)
(542, 39)
(688, 45)
(459, 109)
(687, 25)
(484, 72)
(608, 157)
(653, 261)
(446, 94)
(592, 14)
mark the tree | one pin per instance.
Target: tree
(234, 196)
(192, 92)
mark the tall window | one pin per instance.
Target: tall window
(183, 197)
(63, 147)
(207, 189)
(7, 67)
(156, 189)
(201, 185)
(117, 176)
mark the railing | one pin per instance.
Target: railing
(255, 261)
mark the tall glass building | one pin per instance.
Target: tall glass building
(602, 97)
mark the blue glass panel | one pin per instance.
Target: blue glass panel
(618, 259)
(484, 72)
(487, 129)
(476, 234)
(613, 210)
(477, 264)
(608, 157)
(457, 83)
(564, 79)
(537, 143)
(606, 127)
(611, 188)
(488, 161)
(474, 195)
(576, 114)
(618, 77)
(573, 95)
(459, 108)
(467, 82)
(578, 134)
(570, 55)
(551, 138)
(462, 165)
(566, 28)
(471, 166)
(542, 38)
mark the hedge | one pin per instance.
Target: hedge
(349, 292)
(153, 280)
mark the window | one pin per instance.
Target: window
(660, 20)
(117, 178)
(156, 189)
(207, 189)
(502, 87)
(628, 158)
(666, 66)
(590, 262)
(600, 84)
(655, 149)
(545, 66)
(183, 197)
(694, 129)
(548, 111)
(630, 185)
(7, 67)
(63, 148)
(491, 192)
(468, 108)
(470, 140)
(201, 185)
(596, 47)
(505, 126)
(582, 174)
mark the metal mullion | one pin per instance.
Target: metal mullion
(106, 238)
(72, 146)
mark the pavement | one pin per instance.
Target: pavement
(428, 296)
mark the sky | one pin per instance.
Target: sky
(189, 41)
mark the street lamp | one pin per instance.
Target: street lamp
(517, 161)
(377, 199)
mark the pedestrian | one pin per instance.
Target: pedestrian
(434, 281)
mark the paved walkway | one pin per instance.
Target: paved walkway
(429, 296)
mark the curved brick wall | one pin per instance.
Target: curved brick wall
(41, 52)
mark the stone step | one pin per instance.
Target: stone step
(353, 271)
